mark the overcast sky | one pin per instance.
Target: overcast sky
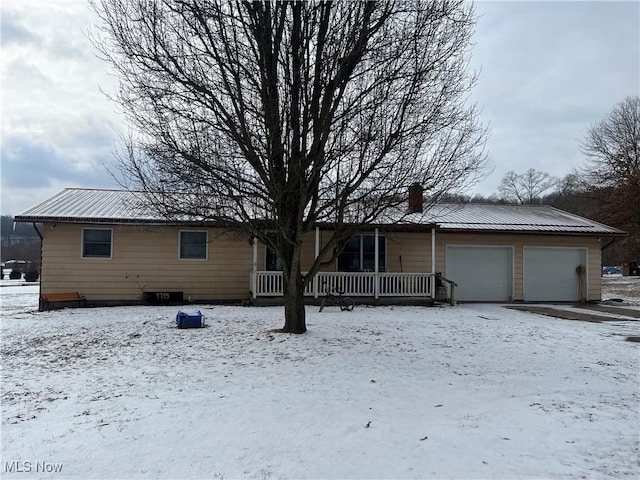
(548, 71)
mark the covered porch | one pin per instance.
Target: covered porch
(352, 284)
(373, 283)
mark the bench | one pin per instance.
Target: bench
(64, 297)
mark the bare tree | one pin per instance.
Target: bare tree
(612, 146)
(526, 188)
(612, 170)
(269, 117)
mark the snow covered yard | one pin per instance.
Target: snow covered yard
(626, 288)
(473, 391)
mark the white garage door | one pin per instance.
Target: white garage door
(550, 274)
(482, 273)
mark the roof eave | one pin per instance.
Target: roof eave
(107, 220)
(618, 233)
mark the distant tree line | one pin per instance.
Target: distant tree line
(7, 227)
(20, 242)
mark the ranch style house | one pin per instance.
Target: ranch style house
(98, 244)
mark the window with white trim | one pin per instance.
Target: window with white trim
(359, 254)
(97, 242)
(193, 245)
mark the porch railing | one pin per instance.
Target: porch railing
(354, 284)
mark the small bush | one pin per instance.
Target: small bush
(15, 275)
(31, 276)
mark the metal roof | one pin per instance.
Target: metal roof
(75, 205)
(514, 218)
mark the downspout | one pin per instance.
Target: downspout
(609, 243)
(433, 250)
(254, 267)
(433, 261)
(35, 227)
(581, 272)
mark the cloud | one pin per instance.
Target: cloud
(36, 160)
(13, 32)
(23, 74)
(58, 128)
(548, 71)
(42, 167)
(25, 163)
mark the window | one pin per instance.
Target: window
(193, 245)
(359, 254)
(96, 242)
(272, 262)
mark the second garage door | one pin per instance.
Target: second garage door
(482, 273)
(550, 274)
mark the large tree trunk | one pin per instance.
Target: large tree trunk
(294, 314)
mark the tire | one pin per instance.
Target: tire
(347, 304)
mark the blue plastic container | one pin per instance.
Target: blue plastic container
(192, 319)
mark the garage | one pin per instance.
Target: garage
(550, 274)
(483, 273)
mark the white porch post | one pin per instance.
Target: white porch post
(376, 283)
(317, 253)
(433, 250)
(254, 267)
(432, 283)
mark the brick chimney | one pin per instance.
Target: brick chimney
(415, 198)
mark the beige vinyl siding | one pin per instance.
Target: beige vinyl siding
(145, 259)
(594, 274)
(519, 242)
(308, 252)
(409, 252)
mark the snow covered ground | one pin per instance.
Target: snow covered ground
(625, 288)
(472, 391)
